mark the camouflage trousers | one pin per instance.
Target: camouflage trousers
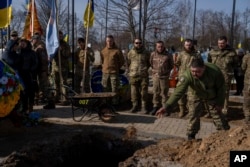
(196, 108)
(228, 79)
(43, 84)
(60, 90)
(139, 90)
(246, 104)
(110, 83)
(78, 83)
(160, 91)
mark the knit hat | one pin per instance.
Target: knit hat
(14, 33)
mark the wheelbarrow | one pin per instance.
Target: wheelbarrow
(86, 104)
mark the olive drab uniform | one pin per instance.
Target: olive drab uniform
(246, 90)
(226, 59)
(65, 55)
(183, 62)
(79, 68)
(211, 88)
(138, 63)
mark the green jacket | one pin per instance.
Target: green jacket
(211, 86)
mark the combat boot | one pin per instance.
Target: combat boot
(153, 112)
(144, 110)
(50, 105)
(247, 120)
(182, 112)
(191, 136)
(134, 108)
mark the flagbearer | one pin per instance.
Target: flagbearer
(81, 66)
(64, 54)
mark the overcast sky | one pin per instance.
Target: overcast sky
(216, 5)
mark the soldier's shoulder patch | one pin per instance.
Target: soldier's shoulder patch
(181, 79)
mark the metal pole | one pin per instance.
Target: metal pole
(194, 18)
(140, 11)
(106, 26)
(232, 25)
(73, 42)
(68, 22)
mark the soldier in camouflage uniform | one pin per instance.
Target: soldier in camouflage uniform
(39, 47)
(162, 63)
(138, 63)
(206, 82)
(246, 90)
(226, 59)
(79, 66)
(112, 60)
(65, 54)
(183, 63)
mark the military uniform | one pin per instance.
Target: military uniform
(138, 63)
(246, 90)
(65, 55)
(210, 87)
(112, 61)
(162, 64)
(42, 70)
(183, 62)
(80, 59)
(226, 59)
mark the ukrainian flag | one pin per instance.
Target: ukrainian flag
(5, 12)
(89, 14)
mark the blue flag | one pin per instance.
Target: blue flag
(52, 42)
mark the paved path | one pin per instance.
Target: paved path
(146, 125)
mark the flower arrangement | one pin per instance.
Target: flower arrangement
(10, 88)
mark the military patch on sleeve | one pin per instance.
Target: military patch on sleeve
(182, 79)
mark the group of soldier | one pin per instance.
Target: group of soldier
(200, 87)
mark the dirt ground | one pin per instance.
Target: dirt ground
(60, 145)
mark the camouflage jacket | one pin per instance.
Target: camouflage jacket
(184, 60)
(225, 59)
(211, 86)
(162, 64)
(65, 56)
(246, 68)
(138, 62)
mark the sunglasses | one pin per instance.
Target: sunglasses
(14, 35)
(137, 42)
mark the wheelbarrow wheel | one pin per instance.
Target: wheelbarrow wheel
(106, 113)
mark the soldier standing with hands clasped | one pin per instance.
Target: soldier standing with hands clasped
(138, 62)
(226, 59)
(162, 63)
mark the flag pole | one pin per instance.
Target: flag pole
(32, 17)
(86, 47)
(59, 56)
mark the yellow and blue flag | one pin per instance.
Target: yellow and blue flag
(5, 12)
(52, 42)
(89, 14)
(239, 45)
(66, 38)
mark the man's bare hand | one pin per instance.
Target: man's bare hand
(159, 113)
